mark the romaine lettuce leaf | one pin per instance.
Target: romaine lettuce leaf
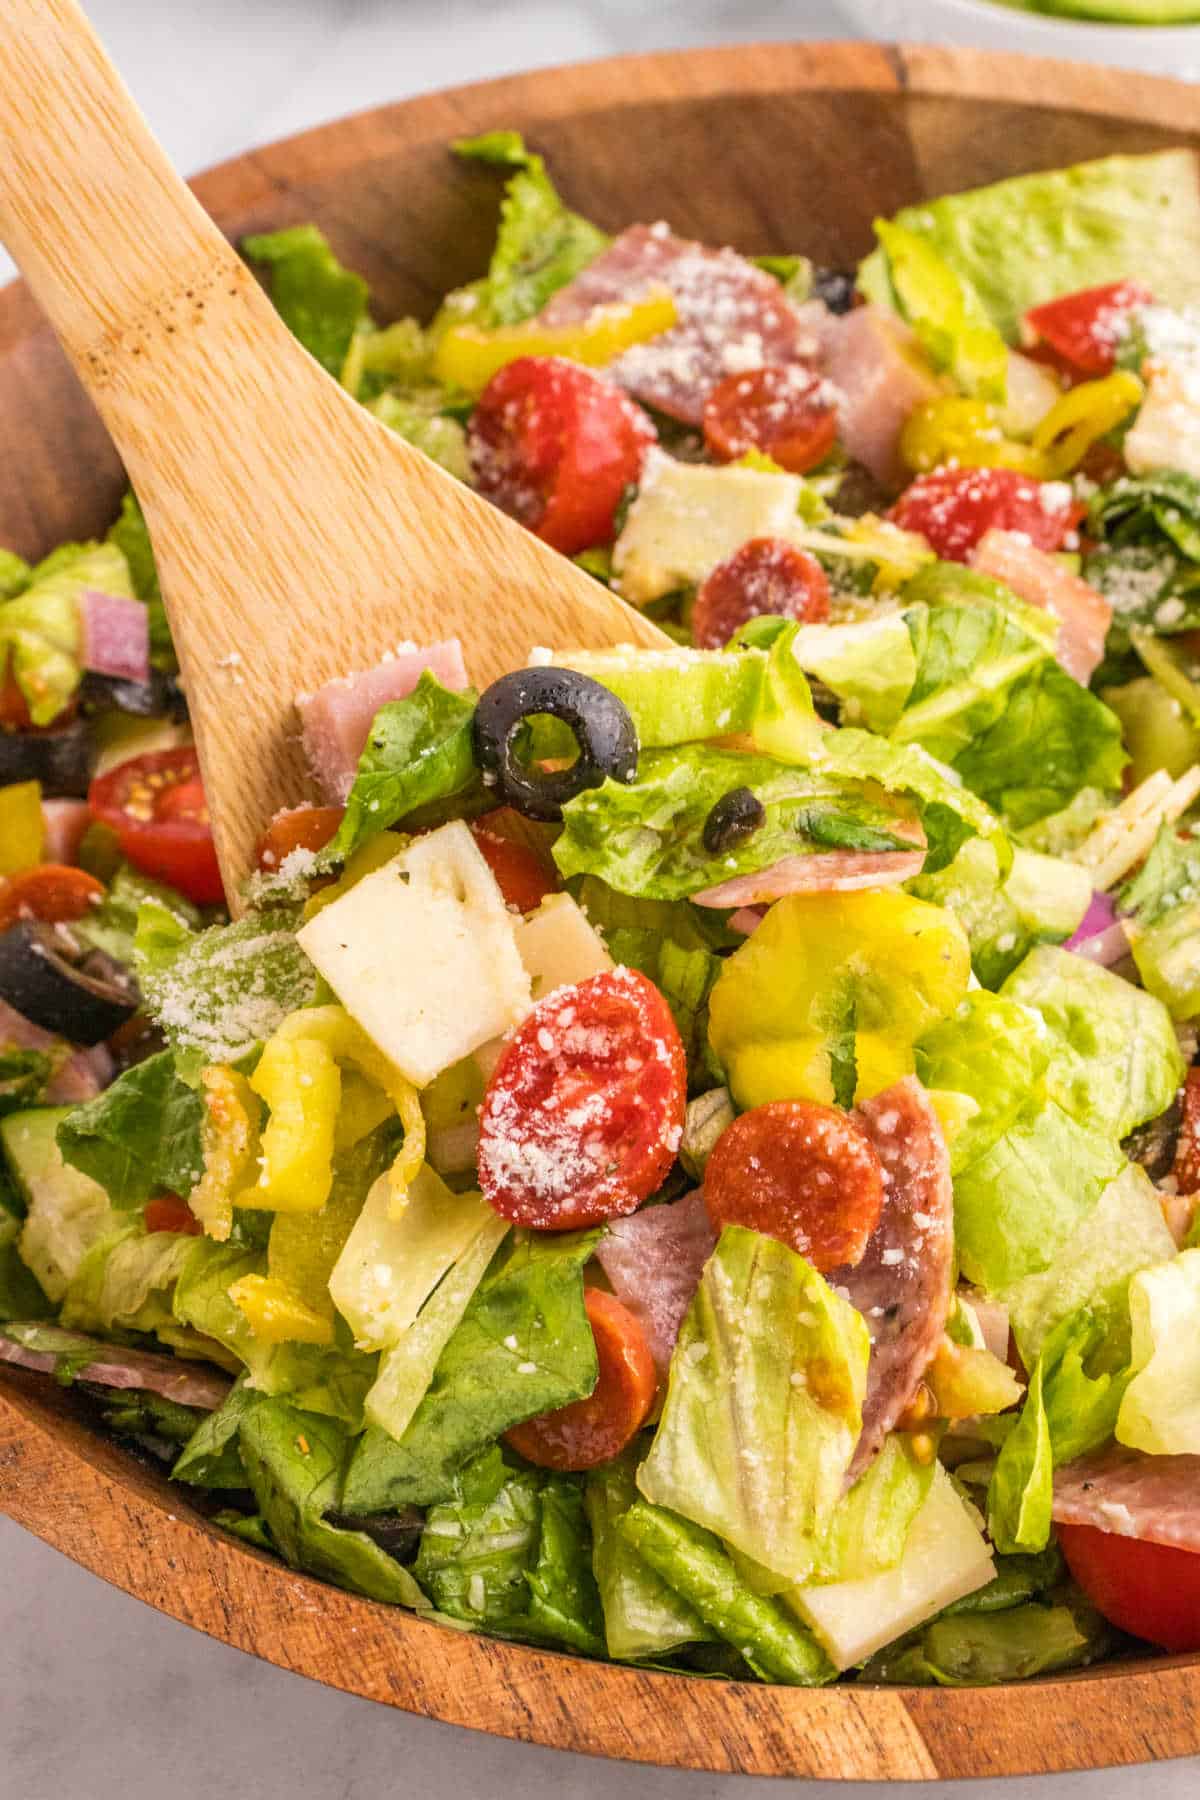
(983, 1649)
(695, 1564)
(132, 538)
(21, 1295)
(112, 926)
(477, 1549)
(763, 1407)
(420, 750)
(418, 416)
(949, 812)
(643, 1615)
(646, 838)
(945, 312)
(1042, 899)
(23, 1078)
(1021, 1491)
(40, 629)
(870, 664)
(14, 574)
(524, 1346)
(996, 1052)
(1167, 956)
(1169, 877)
(540, 245)
(141, 1136)
(1034, 237)
(66, 1211)
(125, 1279)
(210, 1458)
(294, 1462)
(1160, 1411)
(319, 301)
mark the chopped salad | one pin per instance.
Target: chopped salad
(690, 1155)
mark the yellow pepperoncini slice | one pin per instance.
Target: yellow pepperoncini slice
(963, 431)
(1081, 418)
(230, 1141)
(467, 357)
(276, 1315)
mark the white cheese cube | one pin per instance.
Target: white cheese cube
(688, 517)
(1166, 432)
(946, 1557)
(559, 947)
(423, 954)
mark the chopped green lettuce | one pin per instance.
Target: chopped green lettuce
(21, 1294)
(210, 1458)
(15, 574)
(125, 1279)
(1033, 237)
(870, 664)
(132, 538)
(523, 1346)
(418, 416)
(112, 926)
(66, 1211)
(944, 311)
(420, 751)
(23, 1078)
(141, 1136)
(1042, 899)
(1160, 1411)
(540, 246)
(40, 630)
(678, 696)
(763, 1407)
(319, 301)
(1021, 1491)
(643, 1615)
(982, 1649)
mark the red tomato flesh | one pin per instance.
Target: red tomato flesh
(1083, 331)
(584, 1111)
(763, 576)
(556, 446)
(803, 1173)
(952, 508)
(1151, 1591)
(155, 803)
(784, 411)
(53, 893)
(169, 1213)
(523, 877)
(592, 1431)
(297, 828)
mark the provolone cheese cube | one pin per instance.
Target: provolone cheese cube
(559, 947)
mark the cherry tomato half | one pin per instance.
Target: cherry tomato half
(523, 877)
(155, 803)
(953, 507)
(784, 411)
(594, 1430)
(800, 1172)
(556, 446)
(1081, 332)
(764, 575)
(169, 1213)
(297, 828)
(53, 893)
(1150, 1590)
(584, 1111)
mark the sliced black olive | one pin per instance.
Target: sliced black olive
(397, 1533)
(1154, 1144)
(736, 816)
(835, 287)
(160, 697)
(42, 976)
(599, 723)
(61, 760)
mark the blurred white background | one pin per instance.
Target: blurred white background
(100, 1697)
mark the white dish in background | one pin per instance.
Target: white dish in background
(990, 25)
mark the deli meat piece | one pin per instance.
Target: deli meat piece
(1083, 615)
(1156, 1498)
(904, 1284)
(732, 317)
(874, 362)
(79, 1076)
(64, 822)
(334, 721)
(116, 636)
(653, 1262)
(45, 1347)
(825, 872)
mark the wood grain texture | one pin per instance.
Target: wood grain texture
(701, 139)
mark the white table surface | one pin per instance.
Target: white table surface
(100, 1697)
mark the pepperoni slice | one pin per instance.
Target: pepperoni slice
(800, 1172)
(584, 1111)
(765, 575)
(52, 892)
(594, 1430)
(556, 446)
(169, 1213)
(297, 828)
(953, 507)
(1186, 1169)
(1081, 332)
(784, 411)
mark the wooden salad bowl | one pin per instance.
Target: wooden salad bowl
(772, 148)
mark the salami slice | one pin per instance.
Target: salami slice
(1155, 1498)
(1083, 615)
(824, 872)
(904, 1283)
(653, 1262)
(48, 1349)
(732, 317)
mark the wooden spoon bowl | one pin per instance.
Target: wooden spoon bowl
(780, 147)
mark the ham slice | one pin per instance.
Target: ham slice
(1083, 615)
(825, 872)
(653, 1262)
(116, 636)
(874, 362)
(732, 317)
(904, 1284)
(336, 719)
(64, 822)
(1156, 1498)
(49, 1348)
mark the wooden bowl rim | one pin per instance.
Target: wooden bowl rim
(88, 1498)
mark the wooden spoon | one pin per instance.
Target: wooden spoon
(296, 537)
